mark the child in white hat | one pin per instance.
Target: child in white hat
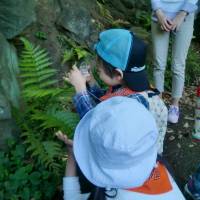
(118, 155)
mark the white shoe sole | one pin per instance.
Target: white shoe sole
(173, 121)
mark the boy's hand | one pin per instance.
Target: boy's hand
(178, 20)
(76, 79)
(165, 23)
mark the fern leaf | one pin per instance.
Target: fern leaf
(42, 66)
(39, 53)
(46, 77)
(43, 61)
(46, 152)
(48, 83)
(65, 121)
(36, 72)
(30, 81)
(43, 72)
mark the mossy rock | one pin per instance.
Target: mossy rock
(15, 16)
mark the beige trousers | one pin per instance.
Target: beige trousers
(180, 44)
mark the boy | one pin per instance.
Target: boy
(121, 66)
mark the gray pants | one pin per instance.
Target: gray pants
(180, 46)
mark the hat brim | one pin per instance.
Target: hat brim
(133, 176)
(137, 81)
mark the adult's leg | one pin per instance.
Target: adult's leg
(160, 41)
(180, 47)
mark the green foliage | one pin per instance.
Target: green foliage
(81, 53)
(73, 51)
(142, 14)
(64, 121)
(41, 35)
(67, 55)
(197, 27)
(45, 152)
(192, 67)
(105, 13)
(22, 177)
(143, 17)
(36, 72)
(46, 109)
(192, 72)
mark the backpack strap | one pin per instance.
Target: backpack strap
(140, 98)
(153, 92)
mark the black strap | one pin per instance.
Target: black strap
(154, 92)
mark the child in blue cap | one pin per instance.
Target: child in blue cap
(121, 65)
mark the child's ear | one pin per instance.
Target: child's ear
(120, 74)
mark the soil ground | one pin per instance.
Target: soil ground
(180, 149)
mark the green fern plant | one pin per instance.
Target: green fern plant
(65, 121)
(67, 55)
(105, 13)
(73, 51)
(38, 77)
(47, 108)
(46, 152)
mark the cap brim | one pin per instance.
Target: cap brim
(133, 176)
(137, 81)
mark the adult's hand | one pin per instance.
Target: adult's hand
(165, 23)
(178, 20)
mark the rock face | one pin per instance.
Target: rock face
(129, 10)
(8, 71)
(6, 124)
(15, 16)
(77, 18)
(9, 90)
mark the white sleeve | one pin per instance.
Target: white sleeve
(155, 4)
(190, 6)
(71, 188)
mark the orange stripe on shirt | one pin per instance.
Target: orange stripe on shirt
(120, 92)
(158, 183)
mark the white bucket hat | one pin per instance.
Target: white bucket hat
(115, 143)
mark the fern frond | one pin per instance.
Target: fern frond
(33, 92)
(36, 72)
(30, 74)
(63, 120)
(46, 152)
(67, 55)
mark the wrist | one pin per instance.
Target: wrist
(80, 88)
(158, 12)
(183, 13)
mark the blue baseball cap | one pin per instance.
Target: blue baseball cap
(123, 50)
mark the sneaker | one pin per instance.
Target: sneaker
(190, 190)
(173, 114)
(196, 137)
